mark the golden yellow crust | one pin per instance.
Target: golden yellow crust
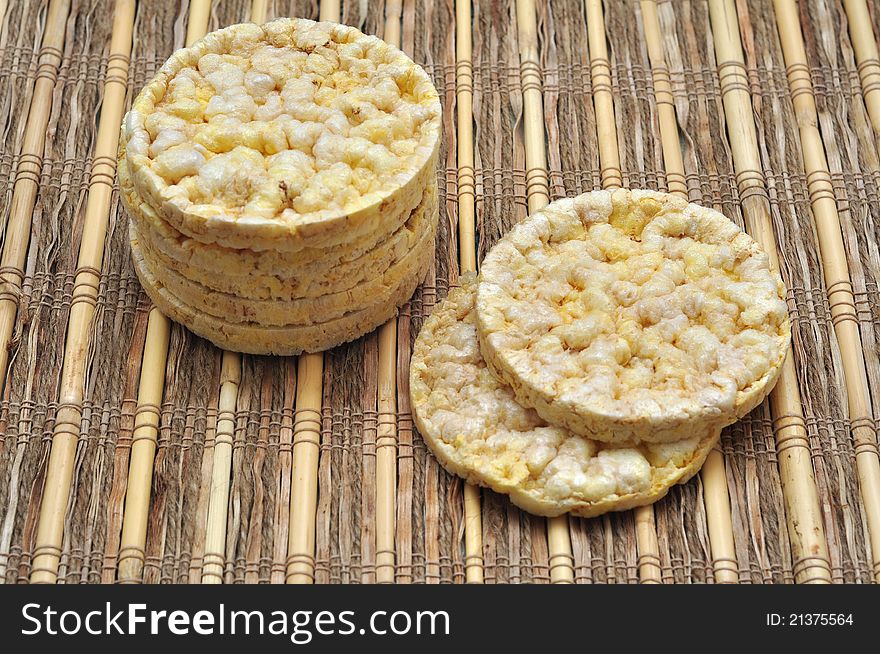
(257, 339)
(632, 316)
(279, 136)
(476, 428)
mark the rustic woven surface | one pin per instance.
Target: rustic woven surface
(430, 518)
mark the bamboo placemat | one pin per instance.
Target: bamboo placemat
(132, 451)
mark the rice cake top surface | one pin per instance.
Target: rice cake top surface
(291, 129)
(478, 430)
(632, 315)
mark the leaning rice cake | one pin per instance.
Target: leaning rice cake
(257, 339)
(474, 425)
(279, 136)
(377, 289)
(632, 316)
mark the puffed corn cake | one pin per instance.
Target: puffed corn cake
(279, 136)
(632, 316)
(281, 185)
(476, 428)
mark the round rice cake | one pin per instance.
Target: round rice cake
(284, 135)
(257, 339)
(633, 316)
(299, 311)
(272, 275)
(276, 274)
(476, 428)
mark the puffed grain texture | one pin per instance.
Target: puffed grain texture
(632, 316)
(475, 427)
(279, 136)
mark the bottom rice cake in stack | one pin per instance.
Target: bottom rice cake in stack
(608, 341)
(280, 183)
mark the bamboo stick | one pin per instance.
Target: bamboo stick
(561, 559)
(713, 474)
(464, 95)
(329, 10)
(867, 57)
(386, 453)
(835, 268)
(406, 458)
(27, 175)
(143, 450)
(150, 391)
(673, 162)
(47, 552)
(214, 557)
(537, 180)
(304, 490)
(603, 100)
(197, 20)
(612, 177)
(259, 10)
(467, 250)
(803, 514)
(393, 15)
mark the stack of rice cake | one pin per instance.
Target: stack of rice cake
(607, 341)
(280, 181)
